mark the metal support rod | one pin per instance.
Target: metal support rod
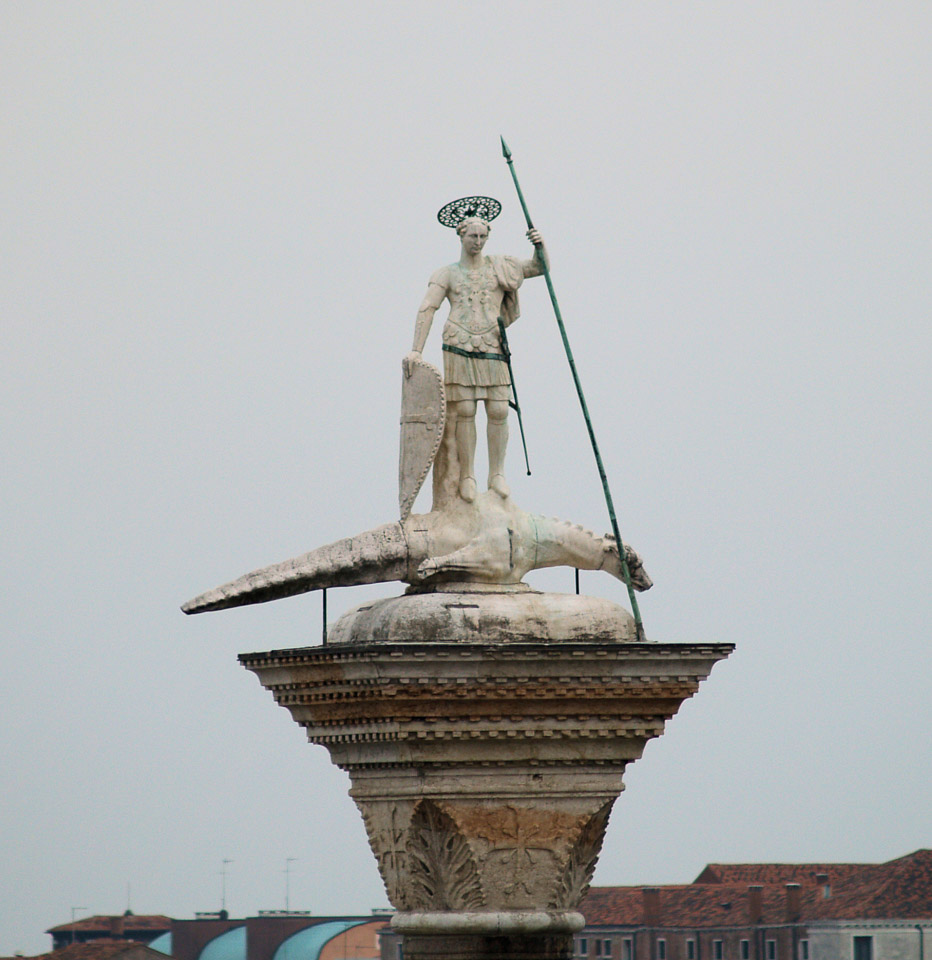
(323, 598)
(74, 910)
(223, 883)
(639, 626)
(287, 871)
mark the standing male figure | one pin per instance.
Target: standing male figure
(480, 290)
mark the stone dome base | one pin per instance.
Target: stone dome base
(484, 617)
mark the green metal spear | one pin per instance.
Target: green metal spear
(639, 626)
(506, 351)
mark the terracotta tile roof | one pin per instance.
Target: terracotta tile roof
(102, 924)
(684, 905)
(899, 889)
(775, 872)
(98, 950)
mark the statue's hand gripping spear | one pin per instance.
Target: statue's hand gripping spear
(622, 553)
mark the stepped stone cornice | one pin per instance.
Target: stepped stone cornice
(485, 771)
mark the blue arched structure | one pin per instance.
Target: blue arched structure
(306, 944)
(162, 943)
(228, 946)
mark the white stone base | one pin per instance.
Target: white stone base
(489, 923)
(485, 618)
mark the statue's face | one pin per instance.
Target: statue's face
(474, 238)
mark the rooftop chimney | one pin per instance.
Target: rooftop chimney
(755, 904)
(793, 902)
(651, 897)
(822, 879)
(116, 928)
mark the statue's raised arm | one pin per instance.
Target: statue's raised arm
(535, 266)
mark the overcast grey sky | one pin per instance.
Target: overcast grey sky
(218, 222)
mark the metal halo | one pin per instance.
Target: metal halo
(455, 212)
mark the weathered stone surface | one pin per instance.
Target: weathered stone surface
(423, 414)
(487, 617)
(490, 542)
(485, 771)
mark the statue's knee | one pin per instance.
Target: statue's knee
(497, 410)
(466, 410)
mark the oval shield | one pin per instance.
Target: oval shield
(423, 409)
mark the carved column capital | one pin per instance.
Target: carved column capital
(485, 773)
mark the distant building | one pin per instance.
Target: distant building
(100, 950)
(127, 926)
(768, 911)
(276, 935)
(272, 935)
(762, 911)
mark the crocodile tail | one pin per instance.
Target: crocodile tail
(375, 556)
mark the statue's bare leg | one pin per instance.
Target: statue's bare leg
(466, 447)
(497, 413)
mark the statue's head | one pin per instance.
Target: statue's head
(473, 232)
(464, 225)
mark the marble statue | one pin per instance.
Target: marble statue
(469, 540)
(481, 290)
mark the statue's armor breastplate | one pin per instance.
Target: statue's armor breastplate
(475, 305)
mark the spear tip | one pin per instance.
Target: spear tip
(506, 153)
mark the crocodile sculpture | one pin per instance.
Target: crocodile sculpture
(489, 541)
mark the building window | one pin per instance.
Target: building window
(401, 952)
(627, 953)
(662, 949)
(863, 948)
(717, 950)
(598, 948)
(745, 950)
(583, 947)
(803, 950)
(771, 950)
(690, 950)
(606, 948)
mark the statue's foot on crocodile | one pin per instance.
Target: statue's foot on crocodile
(468, 489)
(497, 483)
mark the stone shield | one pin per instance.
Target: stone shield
(423, 410)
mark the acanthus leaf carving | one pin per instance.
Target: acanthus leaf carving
(574, 881)
(386, 827)
(442, 873)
